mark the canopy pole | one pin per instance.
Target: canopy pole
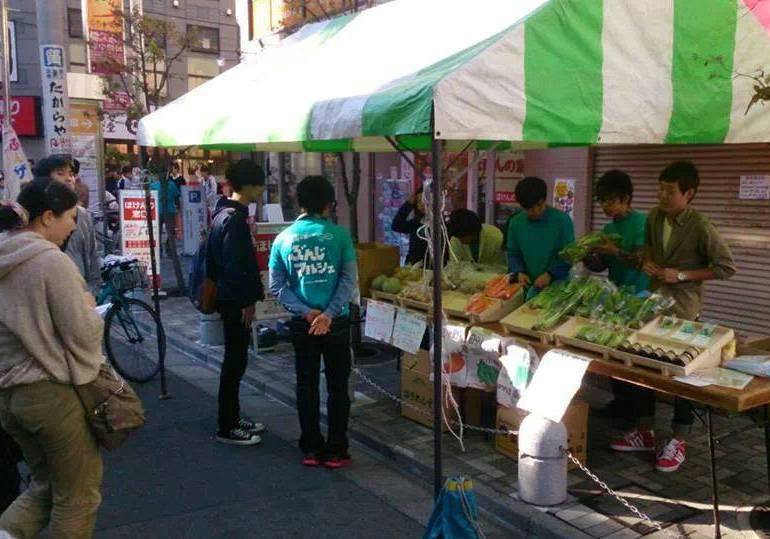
(438, 259)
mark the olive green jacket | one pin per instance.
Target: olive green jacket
(695, 244)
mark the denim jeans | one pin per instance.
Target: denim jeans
(334, 348)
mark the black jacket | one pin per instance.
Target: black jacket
(404, 225)
(232, 258)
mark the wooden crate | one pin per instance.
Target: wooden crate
(710, 356)
(520, 322)
(384, 296)
(500, 309)
(454, 303)
(565, 336)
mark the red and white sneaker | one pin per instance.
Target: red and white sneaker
(635, 441)
(671, 457)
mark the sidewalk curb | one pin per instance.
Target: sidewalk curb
(516, 516)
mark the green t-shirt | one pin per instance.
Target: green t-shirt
(312, 251)
(537, 243)
(631, 228)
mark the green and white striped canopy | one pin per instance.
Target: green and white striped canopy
(512, 72)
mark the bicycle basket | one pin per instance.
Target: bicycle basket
(125, 277)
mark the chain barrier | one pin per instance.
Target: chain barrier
(422, 411)
(620, 498)
(570, 456)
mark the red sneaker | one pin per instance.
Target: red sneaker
(671, 457)
(311, 460)
(635, 441)
(337, 461)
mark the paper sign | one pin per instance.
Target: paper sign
(379, 320)
(409, 330)
(719, 377)
(754, 188)
(556, 381)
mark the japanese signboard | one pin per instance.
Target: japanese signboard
(135, 235)
(16, 168)
(105, 32)
(25, 117)
(84, 126)
(379, 321)
(55, 100)
(263, 235)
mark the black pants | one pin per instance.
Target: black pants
(637, 405)
(334, 347)
(233, 366)
(10, 480)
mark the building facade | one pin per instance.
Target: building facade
(217, 50)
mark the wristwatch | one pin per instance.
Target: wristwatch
(681, 276)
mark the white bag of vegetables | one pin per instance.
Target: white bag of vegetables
(482, 359)
(453, 352)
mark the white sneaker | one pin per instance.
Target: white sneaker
(238, 437)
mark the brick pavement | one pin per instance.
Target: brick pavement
(681, 501)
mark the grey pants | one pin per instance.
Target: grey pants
(48, 422)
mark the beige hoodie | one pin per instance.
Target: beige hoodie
(47, 331)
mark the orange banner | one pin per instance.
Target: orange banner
(105, 35)
(104, 15)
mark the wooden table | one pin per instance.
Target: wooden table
(755, 395)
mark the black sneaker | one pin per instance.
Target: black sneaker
(251, 426)
(238, 436)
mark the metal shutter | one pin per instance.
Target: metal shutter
(742, 302)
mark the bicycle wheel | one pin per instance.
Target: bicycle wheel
(134, 340)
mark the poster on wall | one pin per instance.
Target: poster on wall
(105, 32)
(394, 193)
(134, 232)
(564, 195)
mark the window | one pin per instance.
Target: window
(77, 55)
(205, 39)
(75, 22)
(199, 70)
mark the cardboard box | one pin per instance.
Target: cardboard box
(575, 419)
(375, 259)
(417, 389)
(420, 363)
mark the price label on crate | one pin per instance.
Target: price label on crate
(409, 330)
(379, 320)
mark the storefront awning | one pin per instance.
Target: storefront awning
(523, 73)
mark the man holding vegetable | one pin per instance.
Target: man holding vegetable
(535, 238)
(682, 250)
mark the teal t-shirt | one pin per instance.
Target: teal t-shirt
(167, 206)
(631, 229)
(312, 251)
(537, 243)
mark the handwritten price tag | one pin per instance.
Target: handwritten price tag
(408, 331)
(379, 320)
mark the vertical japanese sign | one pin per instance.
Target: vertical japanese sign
(55, 100)
(193, 218)
(16, 168)
(105, 35)
(135, 235)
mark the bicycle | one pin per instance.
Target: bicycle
(134, 339)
